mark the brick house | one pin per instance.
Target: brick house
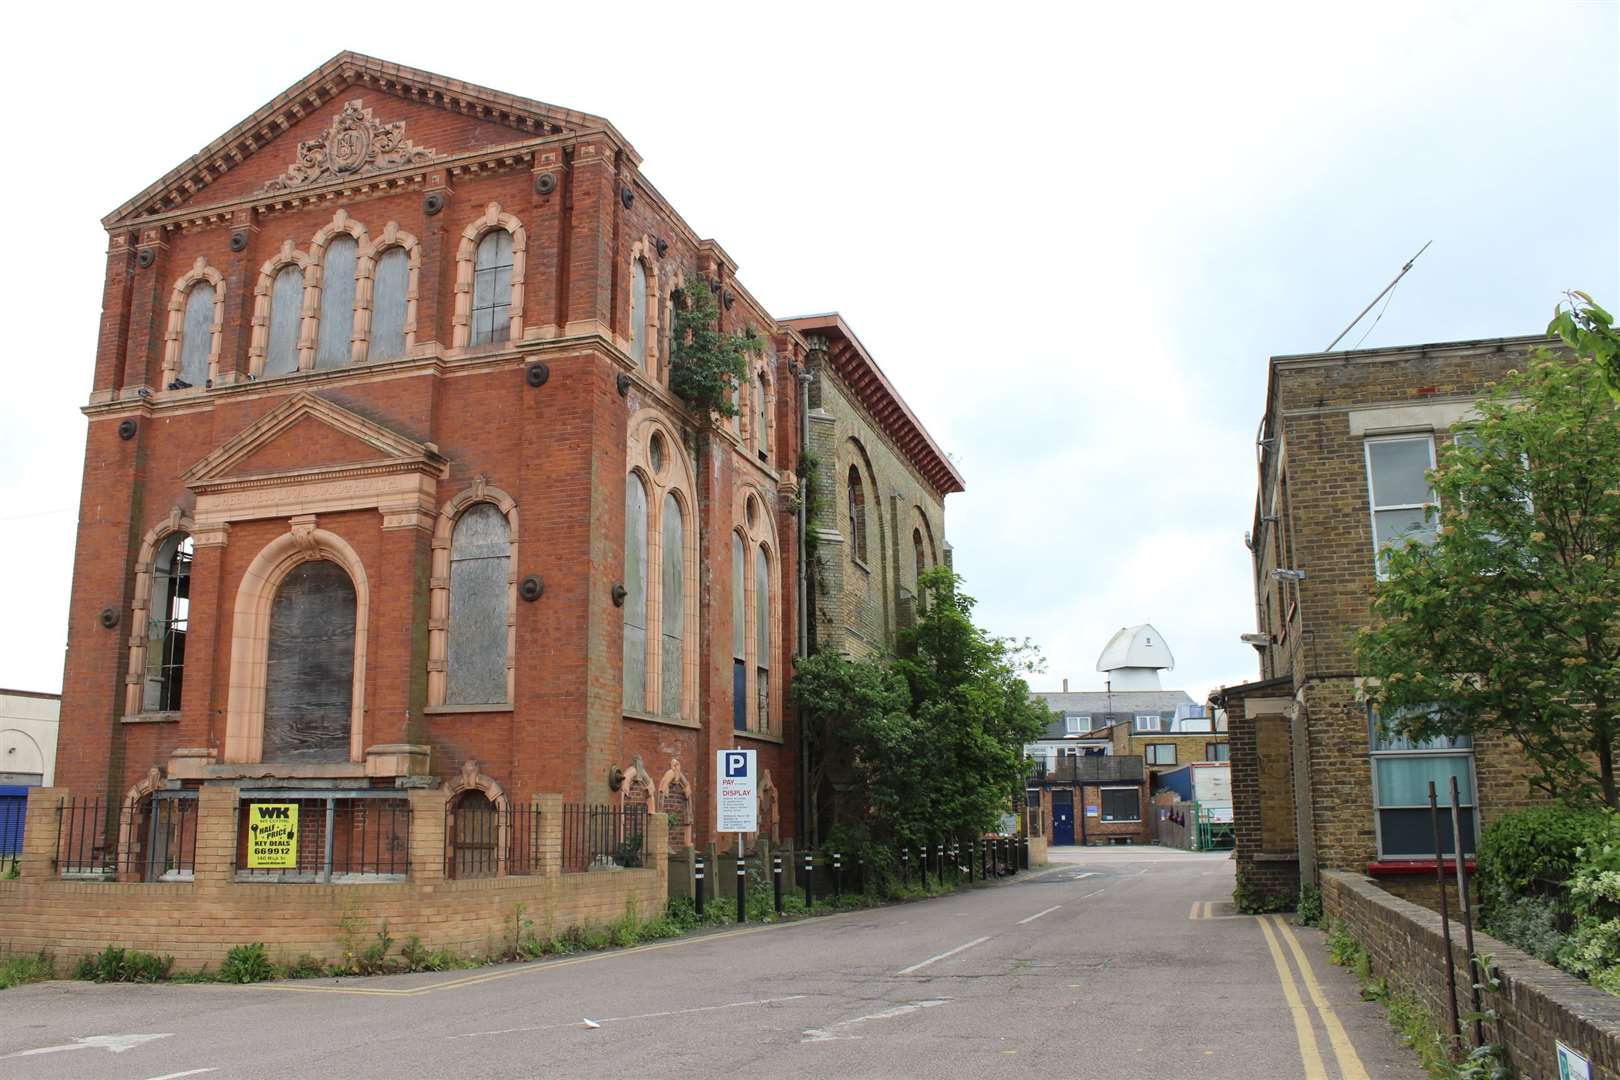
(1344, 446)
(385, 485)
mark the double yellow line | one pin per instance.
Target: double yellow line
(1277, 930)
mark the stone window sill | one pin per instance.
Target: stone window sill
(455, 710)
(762, 736)
(1405, 867)
(670, 721)
(171, 717)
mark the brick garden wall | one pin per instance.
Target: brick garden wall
(197, 921)
(1537, 1003)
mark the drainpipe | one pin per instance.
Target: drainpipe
(802, 376)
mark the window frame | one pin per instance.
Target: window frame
(1213, 751)
(1471, 807)
(855, 498)
(439, 596)
(669, 477)
(1431, 508)
(1072, 722)
(1154, 750)
(1155, 718)
(1102, 806)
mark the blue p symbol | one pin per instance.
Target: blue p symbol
(736, 765)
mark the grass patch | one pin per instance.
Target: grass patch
(19, 968)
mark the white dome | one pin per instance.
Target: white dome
(1136, 647)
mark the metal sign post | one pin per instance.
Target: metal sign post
(736, 800)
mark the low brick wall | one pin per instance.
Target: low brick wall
(197, 921)
(1537, 1003)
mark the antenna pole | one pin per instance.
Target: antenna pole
(1377, 298)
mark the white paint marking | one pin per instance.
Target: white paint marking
(942, 956)
(621, 1019)
(1038, 914)
(1089, 895)
(1088, 873)
(826, 1034)
(178, 1075)
(115, 1043)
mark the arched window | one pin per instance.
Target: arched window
(635, 593)
(857, 514)
(389, 284)
(739, 635)
(673, 615)
(167, 616)
(492, 288)
(762, 637)
(762, 418)
(638, 312)
(286, 320)
(475, 654)
(918, 563)
(309, 670)
(335, 345)
(197, 335)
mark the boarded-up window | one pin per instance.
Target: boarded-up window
(492, 288)
(334, 346)
(739, 636)
(762, 414)
(857, 514)
(635, 593)
(197, 334)
(167, 619)
(475, 654)
(673, 615)
(286, 317)
(638, 313)
(388, 305)
(309, 676)
(762, 638)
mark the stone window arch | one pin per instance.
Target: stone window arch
(479, 828)
(763, 414)
(191, 347)
(756, 615)
(338, 284)
(463, 330)
(283, 321)
(855, 490)
(645, 337)
(675, 799)
(251, 632)
(396, 270)
(665, 543)
(441, 608)
(161, 542)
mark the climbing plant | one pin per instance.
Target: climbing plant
(709, 362)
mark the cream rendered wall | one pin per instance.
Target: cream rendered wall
(28, 724)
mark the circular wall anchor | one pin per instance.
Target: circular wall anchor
(109, 617)
(626, 196)
(623, 383)
(432, 203)
(615, 777)
(545, 183)
(127, 429)
(728, 298)
(531, 587)
(619, 593)
(239, 240)
(145, 257)
(537, 374)
(662, 245)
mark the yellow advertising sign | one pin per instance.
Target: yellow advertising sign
(272, 836)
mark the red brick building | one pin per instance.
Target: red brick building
(384, 475)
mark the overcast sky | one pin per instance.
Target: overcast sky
(1070, 235)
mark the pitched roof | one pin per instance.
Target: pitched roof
(855, 366)
(318, 89)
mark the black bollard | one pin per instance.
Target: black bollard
(776, 881)
(922, 861)
(1024, 845)
(905, 866)
(838, 875)
(697, 880)
(809, 881)
(742, 886)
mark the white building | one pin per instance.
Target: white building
(28, 722)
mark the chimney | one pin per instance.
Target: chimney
(1065, 686)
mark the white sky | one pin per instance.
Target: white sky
(1071, 234)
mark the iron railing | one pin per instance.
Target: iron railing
(598, 837)
(483, 841)
(154, 839)
(335, 838)
(1091, 769)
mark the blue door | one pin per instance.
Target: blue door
(1062, 817)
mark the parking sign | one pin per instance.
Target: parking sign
(736, 791)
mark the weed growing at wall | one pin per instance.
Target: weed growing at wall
(1250, 899)
(1310, 905)
(246, 964)
(114, 964)
(19, 968)
(709, 362)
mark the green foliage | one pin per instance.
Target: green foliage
(114, 964)
(1590, 332)
(709, 362)
(304, 966)
(246, 964)
(1506, 623)
(1250, 899)
(19, 968)
(1309, 910)
(1534, 851)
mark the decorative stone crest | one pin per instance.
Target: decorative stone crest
(355, 144)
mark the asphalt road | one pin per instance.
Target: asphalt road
(1111, 963)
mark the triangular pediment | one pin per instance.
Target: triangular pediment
(353, 117)
(307, 436)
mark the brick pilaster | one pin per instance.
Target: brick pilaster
(217, 811)
(551, 828)
(427, 834)
(41, 833)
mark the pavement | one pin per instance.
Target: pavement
(1108, 963)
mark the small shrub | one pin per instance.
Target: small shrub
(1310, 905)
(304, 967)
(19, 968)
(114, 964)
(1530, 923)
(1534, 851)
(1250, 899)
(246, 964)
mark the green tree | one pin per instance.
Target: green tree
(1589, 331)
(1510, 621)
(709, 361)
(852, 709)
